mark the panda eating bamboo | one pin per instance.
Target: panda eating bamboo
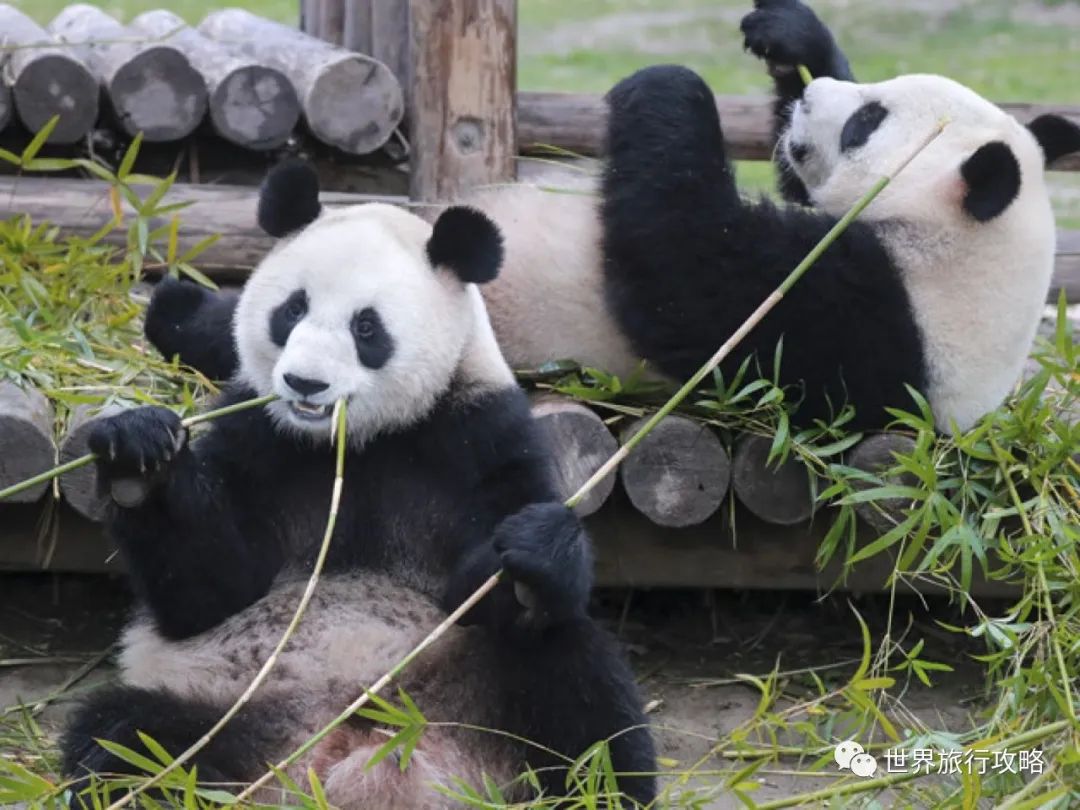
(445, 483)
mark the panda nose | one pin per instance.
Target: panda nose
(303, 386)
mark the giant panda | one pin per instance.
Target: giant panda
(939, 286)
(445, 482)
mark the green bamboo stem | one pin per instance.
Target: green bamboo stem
(804, 74)
(609, 466)
(82, 461)
(341, 439)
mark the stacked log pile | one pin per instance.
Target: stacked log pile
(248, 78)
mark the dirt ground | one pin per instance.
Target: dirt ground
(56, 629)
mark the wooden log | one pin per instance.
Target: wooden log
(7, 107)
(380, 28)
(580, 443)
(151, 87)
(678, 474)
(877, 454)
(778, 494)
(577, 122)
(1066, 267)
(462, 113)
(46, 80)
(26, 444)
(349, 100)
(252, 105)
(81, 207)
(80, 487)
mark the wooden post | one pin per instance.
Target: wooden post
(462, 100)
(678, 475)
(350, 101)
(776, 494)
(80, 487)
(46, 80)
(877, 454)
(26, 445)
(152, 87)
(252, 105)
(580, 442)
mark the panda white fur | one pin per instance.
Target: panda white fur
(939, 285)
(445, 483)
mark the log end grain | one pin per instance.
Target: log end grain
(580, 443)
(255, 106)
(56, 85)
(777, 494)
(80, 486)
(355, 104)
(26, 445)
(158, 93)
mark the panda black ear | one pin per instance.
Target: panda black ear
(467, 242)
(1056, 135)
(288, 198)
(992, 176)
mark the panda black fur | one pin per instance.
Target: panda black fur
(939, 286)
(445, 483)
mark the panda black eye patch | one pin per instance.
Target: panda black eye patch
(374, 346)
(861, 125)
(287, 315)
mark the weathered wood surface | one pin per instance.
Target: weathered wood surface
(250, 104)
(350, 101)
(462, 116)
(80, 487)
(577, 121)
(776, 493)
(82, 207)
(876, 455)
(26, 445)
(151, 86)
(580, 443)
(7, 107)
(380, 28)
(46, 80)
(678, 474)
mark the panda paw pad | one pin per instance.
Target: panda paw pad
(139, 443)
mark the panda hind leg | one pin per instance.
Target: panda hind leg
(119, 714)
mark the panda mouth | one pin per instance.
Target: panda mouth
(309, 411)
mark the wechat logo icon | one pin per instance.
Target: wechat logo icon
(851, 755)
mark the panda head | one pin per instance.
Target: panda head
(367, 303)
(844, 136)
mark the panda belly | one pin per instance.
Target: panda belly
(355, 629)
(548, 301)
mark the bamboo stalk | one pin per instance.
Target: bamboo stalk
(609, 466)
(82, 461)
(305, 599)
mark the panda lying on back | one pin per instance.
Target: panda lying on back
(445, 483)
(939, 286)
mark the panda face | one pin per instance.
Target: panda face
(352, 307)
(844, 136)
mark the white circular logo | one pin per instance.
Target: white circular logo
(851, 755)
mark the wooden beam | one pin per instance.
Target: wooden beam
(776, 493)
(46, 80)
(81, 207)
(151, 87)
(678, 474)
(251, 105)
(350, 101)
(576, 122)
(462, 111)
(580, 443)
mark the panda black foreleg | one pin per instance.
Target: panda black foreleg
(187, 559)
(786, 34)
(195, 323)
(119, 714)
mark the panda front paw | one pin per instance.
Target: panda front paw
(134, 450)
(545, 553)
(195, 323)
(787, 33)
